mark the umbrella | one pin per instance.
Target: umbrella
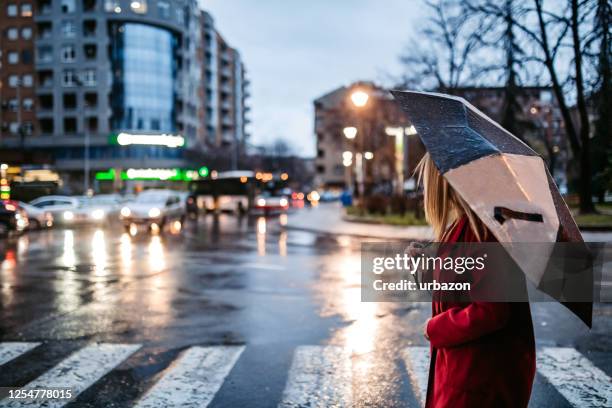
(502, 179)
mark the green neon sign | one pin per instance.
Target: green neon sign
(174, 174)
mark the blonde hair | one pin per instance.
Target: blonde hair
(443, 205)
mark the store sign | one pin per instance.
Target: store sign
(128, 139)
(149, 174)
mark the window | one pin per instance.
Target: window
(68, 28)
(70, 101)
(46, 125)
(91, 100)
(13, 105)
(45, 54)
(27, 128)
(139, 6)
(26, 56)
(27, 81)
(13, 57)
(26, 33)
(112, 6)
(12, 33)
(92, 124)
(45, 101)
(11, 10)
(68, 53)
(68, 6)
(45, 78)
(45, 30)
(28, 104)
(68, 77)
(163, 8)
(89, 5)
(26, 10)
(89, 77)
(13, 81)
(14, 127)
(70, 125)
(180, 15)
(90, 51)
(89, 28)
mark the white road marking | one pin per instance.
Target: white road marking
(11, 350)
(575, 377)
(417, 364)
(320, 376)
(78, 371)
(194, 379)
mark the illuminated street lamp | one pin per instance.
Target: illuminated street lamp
(350, 132)
(359, 98)
(368, 155)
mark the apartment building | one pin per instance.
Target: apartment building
(116, 84)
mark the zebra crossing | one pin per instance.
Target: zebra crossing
(319, 376)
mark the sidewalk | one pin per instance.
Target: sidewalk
(326, 218)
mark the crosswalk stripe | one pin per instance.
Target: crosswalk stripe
(194, 379)
(575, 377)
(12, 350)
(78, 372)
(417, 364)
(320, 376)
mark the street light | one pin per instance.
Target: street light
(350, 132)
(368, 155)
(359, 98)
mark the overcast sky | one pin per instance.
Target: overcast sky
(295, 51)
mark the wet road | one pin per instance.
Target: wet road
(247, 312)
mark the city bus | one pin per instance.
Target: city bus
(231, 191)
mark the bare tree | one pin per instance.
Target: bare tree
(551, 34)
(601, 151)
(443, 64)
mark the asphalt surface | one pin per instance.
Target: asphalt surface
(246, 311)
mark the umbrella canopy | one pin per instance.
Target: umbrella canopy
(502, 179)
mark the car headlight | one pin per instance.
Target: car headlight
(97, 214)
(154, 212)
(126, 212)
(261, 202)
(68, 216)
(283, 202)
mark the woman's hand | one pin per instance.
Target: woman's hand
(425, 329)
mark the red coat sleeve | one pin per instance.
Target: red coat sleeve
(460, 325)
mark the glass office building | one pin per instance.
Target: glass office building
(143, 61)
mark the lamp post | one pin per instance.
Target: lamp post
(359, 99)
(86, 165)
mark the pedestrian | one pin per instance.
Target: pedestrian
(482, 353)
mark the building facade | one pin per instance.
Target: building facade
(106, 74)
(369, 148)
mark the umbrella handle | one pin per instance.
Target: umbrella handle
(502, 214)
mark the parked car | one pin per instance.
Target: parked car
(153, 207)
(12, 218)
(38, 218)
(65, 209)
(267, 202)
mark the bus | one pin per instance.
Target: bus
(231, 191)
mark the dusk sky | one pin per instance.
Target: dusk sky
(295, 51)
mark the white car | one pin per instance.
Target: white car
(267, 202)
(153, 207)
(38, 217)
(103, 207)
(65, 209)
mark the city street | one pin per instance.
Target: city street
(246, 312)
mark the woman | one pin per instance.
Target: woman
(482, 353)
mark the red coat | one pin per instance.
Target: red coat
(482, 354)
